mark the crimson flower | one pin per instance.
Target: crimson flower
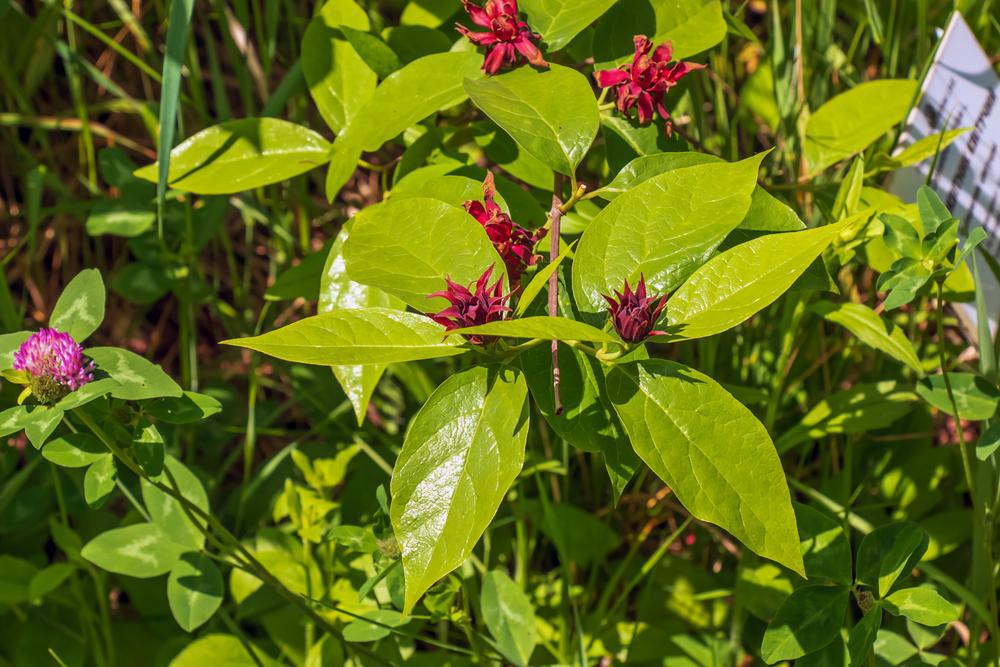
(471, 308)
(54, 363)
(642, 83)
(514, 243)
(509, 39)
(633, 314)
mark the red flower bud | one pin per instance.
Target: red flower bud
(470, 309)
(633, 314)
(643, 83)
(514, 243)
(509, 39)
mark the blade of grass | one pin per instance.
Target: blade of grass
(170, 88)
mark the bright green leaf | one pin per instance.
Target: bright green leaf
(825, 549)
(407, 247)
(736, 284)
(167, 512)
(242, 154)
(509, 616)
(548, 328)
(712, 452)
(350, 337)
(80, 308)
(849, 122)
(872, 330)
(74, 450)
(339, 80)
(463, 450)
(921, 604)
(141, 550)
(692, 26)
(559, 21)
(99, 480)
(137, 378)
(551, 113)
(194, 590)
(662, 229)
(974, 395)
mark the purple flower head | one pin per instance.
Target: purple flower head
(633, 314)
(55, 363)
(471, 308)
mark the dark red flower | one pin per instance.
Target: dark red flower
(514, 243)
(633, 314)
(470, 309)
(643, 83)
(508, 38)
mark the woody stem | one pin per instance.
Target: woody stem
(555, 217)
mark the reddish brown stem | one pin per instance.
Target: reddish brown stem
(555, 216)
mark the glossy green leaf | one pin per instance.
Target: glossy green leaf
(166, 511)
(339, 80)
(872, 330)
(463, 450)
(664, 229)
(99, 480)
(736, 284)
(373, 50)
(862, 637)
(851, 121)
(645, 167)
(185, 409)
(860, 409)
(80, 308)
(889, 552)
(242, 154)
(351, 337)
(807, 621)
(548, 328)
(439, 79)
(692, 26)
(337, 290)
(825, 549)
(974, 395)
(194, 590)
(141, 550)
(712, 452)
(137, 378)
(74, 450)
(766, 212)
(509, 617)
(559, 21)
(921, 604)
(407, 247)
(551, 113)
